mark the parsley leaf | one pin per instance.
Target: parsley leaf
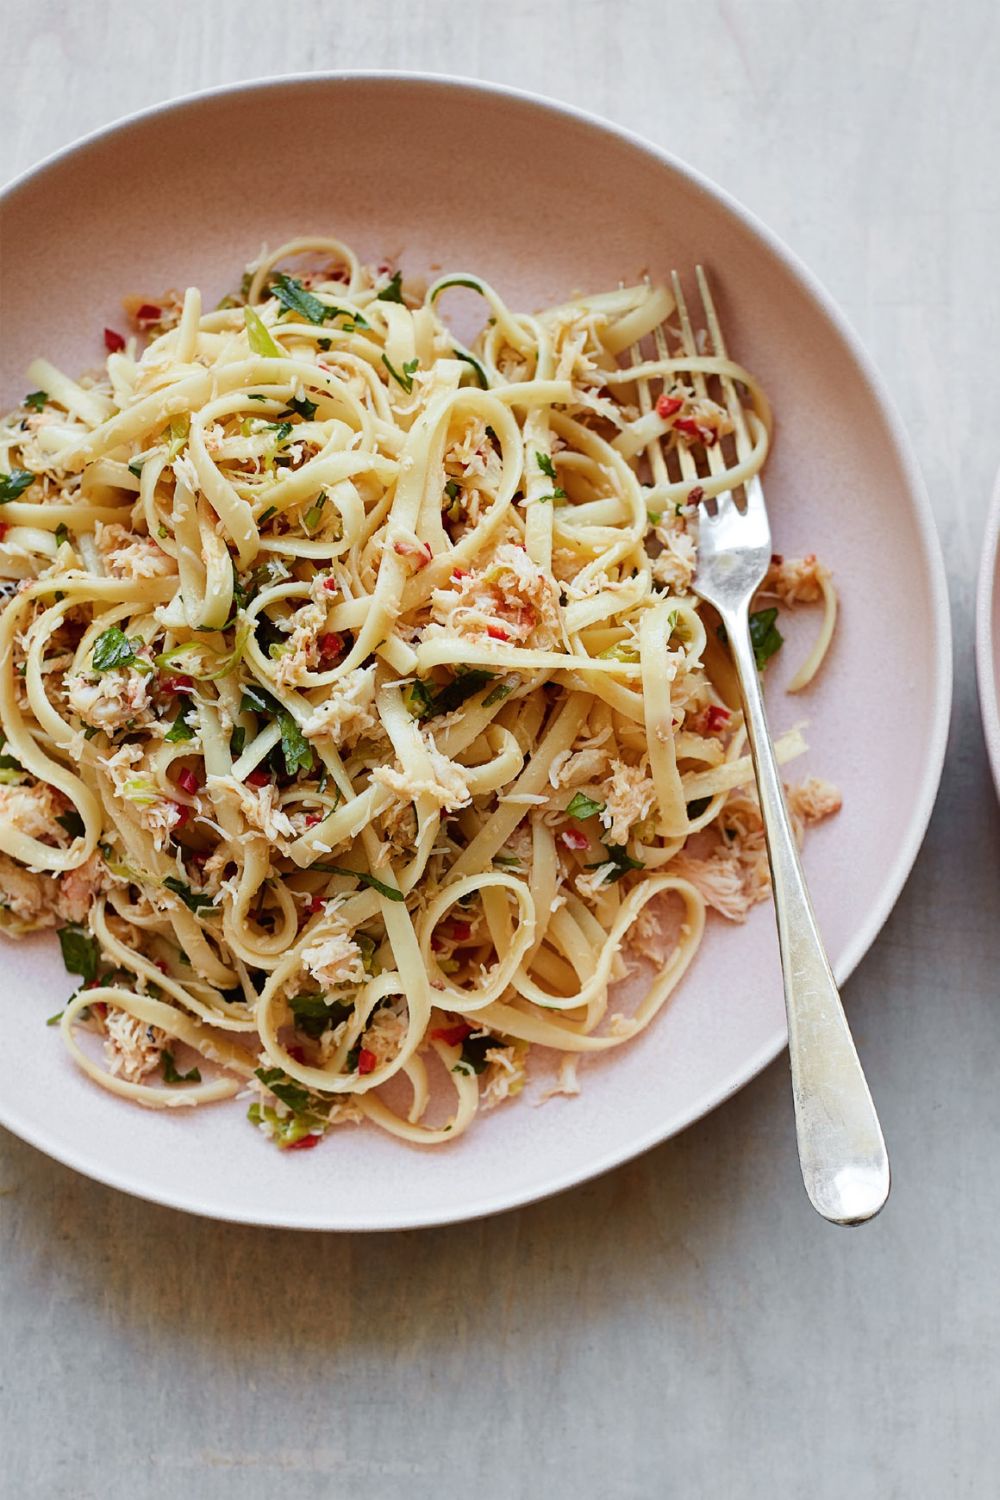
(170, 1073)
(546, 465)
(112, 649)
(306, 409)
(314, 1013)
(294, 298)
(765, 637)
(79, 951)
(499, 693)
(474, 1050)
(393, 292)
(72, 823)
(284, 1088)
(17, 481)
(406, 379)
(194, 900)
(620, 859)
(477, 368)
(36, 399)
(180, 729)
(582, 806)
(424, 704)
(294, 746)
(365, 879)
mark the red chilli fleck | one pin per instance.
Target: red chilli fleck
(366, 1061)
(187, 781)
(696, 495)
(330, 585)
(331, 644)
(258, 778)
(460, 932)
(668, 406)
(113, 341)
(183, 813)
(688, 425)
(452, 1036)
(497, 633)
(181, 684)
(148, 313)
(304, 1143)
(716, 718)
(575, 838)
(316, 905)
(3, 530)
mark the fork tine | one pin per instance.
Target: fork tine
(733, 403)
(716, 462)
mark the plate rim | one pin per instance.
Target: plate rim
(986, 653)
(931, 553)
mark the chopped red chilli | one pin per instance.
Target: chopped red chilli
(113, 342)
(366, 1061)
(187, 781)
(668, 406)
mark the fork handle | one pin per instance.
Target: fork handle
(842, 1154)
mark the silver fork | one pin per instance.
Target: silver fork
(842, 1154)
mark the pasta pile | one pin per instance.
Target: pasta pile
(361, 729)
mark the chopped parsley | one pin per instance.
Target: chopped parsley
(294, 298)
(546, 465)
(477, 368)
(112, 649)
(474, 1050)
(423, 703)
(284, 1088)
(17, 481)
(499, 693)
(765, 637)
(315, 1013)
(389, 891)
(305, 409)
(180, 729)
(393, 291)
(79, 951)
(620, 862)
(582, 806)
(195, 901)
(36, 399)
(170, 1073)
(72, 823)
(406, 379)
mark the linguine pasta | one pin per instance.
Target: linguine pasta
(361, 729)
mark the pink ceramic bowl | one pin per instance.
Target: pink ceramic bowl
(543, 201)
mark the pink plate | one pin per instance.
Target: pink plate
(988, 634)
(543, 201)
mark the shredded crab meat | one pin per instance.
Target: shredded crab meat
(347, 711)
(133, 1049)
(126, 554)
(796, 580)
(335, 960)
(510, 599)
(504, 1077)
(110, 699)
(628, 797)
(447, 784)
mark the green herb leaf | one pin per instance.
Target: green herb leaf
(170, 1073)
(294, 298)
(72, 823)
(394, 291)
(546, 465)
(135, 467)
(180, 729)
(194, 900)
(477, 368)
(305, 409)
(265, 515)
(257, 396)
(765, 637)
(453, 489)
(8, 762)
(237, 742)
(315, 1013)
(80, 952)
(112, 649)
(619, 857)
(259, 339)
(474, 286)
(17, 481)
(474, 1050)
(364, 878)
(36, 399)
(454, 693)
(295, 747)
(284, 1088)
(61, 534)
(54, 1020)
(406, 379)
(556, 495)
(582, 806)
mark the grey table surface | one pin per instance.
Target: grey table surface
(685, 1326)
